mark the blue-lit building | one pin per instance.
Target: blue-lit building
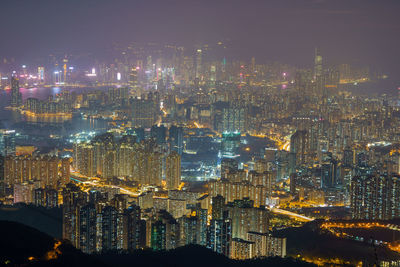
(109, 228)
(230, 144)
(176, 139)
(159, 134)
(158, 236)
(87, 228)
(7, 142)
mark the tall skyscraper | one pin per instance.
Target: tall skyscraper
(87, 228)
(218, 207)
(132, 227)
(228, 165)
(73, 199)
(230, 144)
(39, 197)
(234, 118)
(7, 142)
(173, 170)
(16, 96)
(51, 198)
(109, 217)
(84, 160)
(375, 197)
(144, 113)
(317, 64)
(175, 139)
(133, 78)
(299, 146)
(257, 219)
(198, 63)
(220, 235)
(41, 76)
(65, 69)
(158, 236)
(159, 134)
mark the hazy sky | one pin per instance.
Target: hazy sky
(354, 31)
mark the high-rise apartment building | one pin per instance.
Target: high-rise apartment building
(173, 170)
(16, 96)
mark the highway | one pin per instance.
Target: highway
(88, 181)
(291, 214)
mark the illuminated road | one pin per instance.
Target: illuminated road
(90, 181)
(291, 214)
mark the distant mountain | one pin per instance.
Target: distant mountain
(21, 245)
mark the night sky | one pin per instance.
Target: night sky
(347, 31)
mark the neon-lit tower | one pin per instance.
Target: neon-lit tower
(65, 61)
(41, 74)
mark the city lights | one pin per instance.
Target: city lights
(251, 133)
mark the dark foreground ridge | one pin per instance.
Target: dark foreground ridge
(311, 242)
(22, 245)
(48, 221)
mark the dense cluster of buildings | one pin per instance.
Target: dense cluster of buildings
(99, 221)
(252, 138)
(22, 175)
(145, 162)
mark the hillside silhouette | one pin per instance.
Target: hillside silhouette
(22, 245)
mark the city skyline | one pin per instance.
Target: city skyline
(354, 32)
(257, 133)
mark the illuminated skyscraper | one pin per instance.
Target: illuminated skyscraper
(125, 152)
(228, 165)
(198, 63)
(218, 207)
(230, 144)
(109, 216)
(144, 113)
(84, 160)
(65, 69)
(73, 199)
(133, 78)
(148, 167)
(220, 234)
(317, 64)
(234, 118)
(132, 227)
(41, 75)
(23, 193)
(241, 249)
(65, 171)
(257, 219)
(176, 139)
(213, 74)
(159, 134)
(51, 198)
(375, 197)
(39, 197)
(173, 170)
(16, 96)
(158, 236)
(7, 142)
(87, 228)
(299, 145)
